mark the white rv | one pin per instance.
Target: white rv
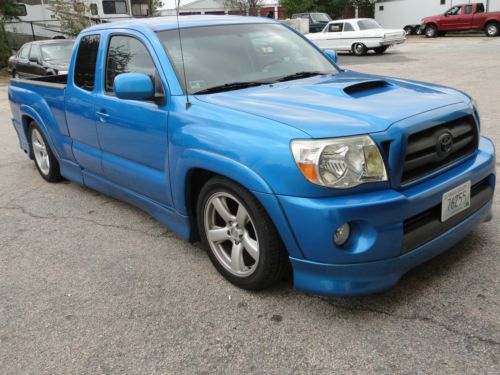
(407, 14)
(38, 20)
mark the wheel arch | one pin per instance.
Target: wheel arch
(196, 174)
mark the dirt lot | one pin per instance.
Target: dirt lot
(90, 285)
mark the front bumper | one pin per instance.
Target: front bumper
(374, 259)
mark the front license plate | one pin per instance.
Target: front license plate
(455, 201)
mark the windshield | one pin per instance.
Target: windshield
(368, 25)
(320, 17)
(229, 54)
(57, 51)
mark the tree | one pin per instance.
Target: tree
(333, 7)
(9, 11)
(250, 7)
(154, 7)
(74, 16)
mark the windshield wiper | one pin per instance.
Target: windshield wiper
(230, 86)
(299, 75)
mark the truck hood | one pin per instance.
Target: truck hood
(344, 104)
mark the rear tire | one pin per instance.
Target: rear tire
(359, 49)
(44, 158)
(380, 50)
(240, 238)
(431, 31)
(492, 29)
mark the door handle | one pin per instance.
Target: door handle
(102, 114)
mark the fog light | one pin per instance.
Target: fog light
(342, 234)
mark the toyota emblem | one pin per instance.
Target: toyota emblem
(444, 144)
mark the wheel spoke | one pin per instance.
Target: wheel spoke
(222, 210)
(251, 246)
(38, 147)
(241, 216)
(237, 264)
(45, 163)
(218, 235)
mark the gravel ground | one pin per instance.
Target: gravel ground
(90, 285)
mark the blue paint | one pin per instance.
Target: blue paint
(143, 151)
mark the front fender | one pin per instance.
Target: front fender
(200, 159)
(196, 158)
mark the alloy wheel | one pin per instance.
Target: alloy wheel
(231, 234)
(40, 151)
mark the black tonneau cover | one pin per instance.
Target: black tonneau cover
(53, 82)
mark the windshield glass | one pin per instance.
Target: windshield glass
(320, 17)
(228, 54)
(368, 25)
(57, 51)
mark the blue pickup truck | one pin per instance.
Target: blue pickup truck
(239, 132)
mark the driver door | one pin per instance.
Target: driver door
(132, 133)
(452, 19)
(333, 36)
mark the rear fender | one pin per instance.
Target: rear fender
(28, 115)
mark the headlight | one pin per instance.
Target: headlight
(340, 163)
(62, 72)
(475, 104)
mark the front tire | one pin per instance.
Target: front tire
(359, 49)
(409, 30)
(492, 29)
(431, 31)
(45, 161)
(240, 238)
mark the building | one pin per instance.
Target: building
(220, 7)
(398, 14)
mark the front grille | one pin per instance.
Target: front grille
(426, 153)
(427, 225)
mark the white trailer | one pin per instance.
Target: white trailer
(407, 14)
(37, 19)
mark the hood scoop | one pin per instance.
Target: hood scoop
(366, 88)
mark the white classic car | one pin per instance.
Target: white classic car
(357, 36)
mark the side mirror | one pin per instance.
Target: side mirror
(33, 59)
(331, 55)
(134, 86)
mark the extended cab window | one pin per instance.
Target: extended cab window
(86, 62)
(468, 9)
(126, 55)
(348, 27)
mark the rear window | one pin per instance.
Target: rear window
(86, 62)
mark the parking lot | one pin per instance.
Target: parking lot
(91, 285)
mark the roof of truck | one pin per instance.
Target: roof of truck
(170, 22)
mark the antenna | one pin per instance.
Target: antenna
(188, 103)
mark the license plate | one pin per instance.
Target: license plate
(455, 201)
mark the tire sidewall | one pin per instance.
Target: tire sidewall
(256, 280)
(54, 174)
(497, 28)
(433, 31)
(359, 53)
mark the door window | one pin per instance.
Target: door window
(34, 53)
(335, 27)
(24, 52)
(454, 11)
(86, 60)
(126, 55)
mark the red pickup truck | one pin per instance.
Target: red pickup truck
(462, 17)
